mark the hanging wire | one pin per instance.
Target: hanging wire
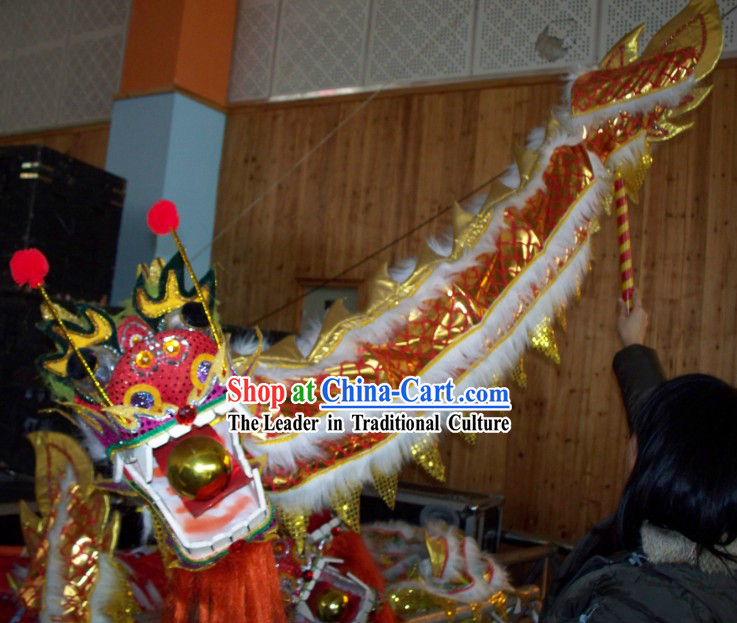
(373, 254)
(726, 13)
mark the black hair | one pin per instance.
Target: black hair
(684, 478)
(685, 475)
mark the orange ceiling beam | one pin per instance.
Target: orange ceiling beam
(185, 44)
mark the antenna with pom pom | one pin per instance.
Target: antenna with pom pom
(163, 219)
(29, 267)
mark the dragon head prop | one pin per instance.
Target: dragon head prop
(154, 405)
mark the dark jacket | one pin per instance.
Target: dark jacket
(630, 589)
(658, 583)
(638, 373)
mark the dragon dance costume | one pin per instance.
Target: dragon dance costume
(237, 517)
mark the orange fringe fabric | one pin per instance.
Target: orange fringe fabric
(350, 547)
(243, 587)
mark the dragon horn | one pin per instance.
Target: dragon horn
(163, 219)
(30, 267)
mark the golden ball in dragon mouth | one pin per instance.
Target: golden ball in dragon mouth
(198, 468)
(331, 604)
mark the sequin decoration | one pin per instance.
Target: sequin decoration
(170, 383)
(543, 339)
(426, 454)
(144, 359)
(386, 485)
(288, 585)
(296, 526)
(519, 376)
(347, 507)
(172, 348)
(560, 316)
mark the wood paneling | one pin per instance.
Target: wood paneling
(399, 159)
(87, 143)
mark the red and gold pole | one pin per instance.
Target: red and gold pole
(625, 249)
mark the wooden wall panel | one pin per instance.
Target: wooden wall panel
(87, 143)
(395, 162)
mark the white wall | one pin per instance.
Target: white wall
(60, 61)
(292, 48)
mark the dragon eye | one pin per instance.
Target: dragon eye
(140, 396)
(142, 400)
(76, 370)
(194, 315)
(100, 362)
(145, 359)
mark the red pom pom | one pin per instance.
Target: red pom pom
(29, 267)
(163, 217)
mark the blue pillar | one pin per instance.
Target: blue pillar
(166, 146)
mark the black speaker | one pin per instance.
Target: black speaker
(68, 209)
(23, 392)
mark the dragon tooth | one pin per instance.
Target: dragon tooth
(145, 459)
(204, 418)
(118, 468)
(159, 440)
(223, 407)
(179, 430)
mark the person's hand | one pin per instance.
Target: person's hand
(632, 328)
